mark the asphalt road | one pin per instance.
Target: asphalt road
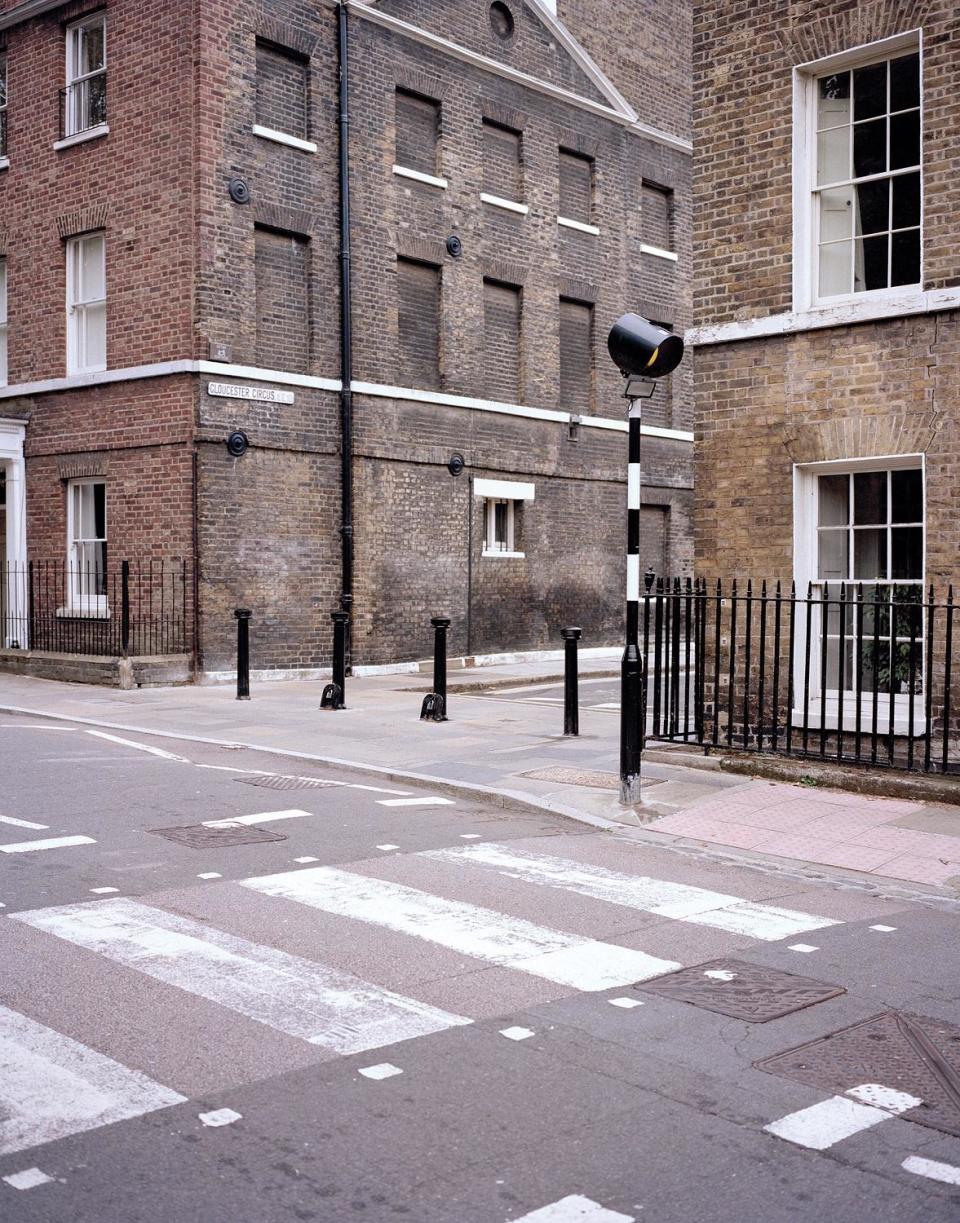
(407, 1006)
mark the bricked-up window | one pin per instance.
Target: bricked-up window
(501, 340)
(502, 175)
(86, 304)
(576, 356)
(866, 197)
(656, 214)
(85, 97)
(87, 546)
(283, 90)
(418, 317)
(3, 322)
(576, 188)
(417, 132)
(282, 275)
(3, 104)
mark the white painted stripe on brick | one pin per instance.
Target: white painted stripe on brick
(665, 899)
(826, 1123)
(575, 1209)
(303, 998)
(29, 847)
(947, 1174)
(52, 1086)
(415, 802)
(9, 819)
(465, 928)
(140, 747)
(260, 817)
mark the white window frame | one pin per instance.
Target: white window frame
(501, 492)
(73, 109)
(4, 97)
(77, 310)
(82, 602)
(4, 329)
(805, 549)
(805, 238)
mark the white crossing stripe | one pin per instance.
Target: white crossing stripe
(9, 819)
(415, 802)
(29, 847)
(665, 899)
(51, 1086)
(821, 1125)
(260, 817)
(575, 1209)
(29, 1178)
(466, 928)
(303, 998)
(383, 1070)
(140, 747)
(220, 1116)
(932, 1168)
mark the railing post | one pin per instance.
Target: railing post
(434, 707)
(243, 615)
(334, 694)
(571, 709)
(125, 608)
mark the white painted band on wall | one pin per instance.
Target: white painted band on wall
(633, 486)
(633, 578)
(508, 490)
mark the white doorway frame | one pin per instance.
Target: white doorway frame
(12, 434)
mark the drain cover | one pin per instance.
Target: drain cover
(198, 836)
(911, 1053)
(576, 777)
(743, 991)
(275, 781)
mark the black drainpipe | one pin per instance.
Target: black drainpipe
(346, 337)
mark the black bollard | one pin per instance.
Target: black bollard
(434, 707)
(243, 615)
(334, 694)
(571, 708)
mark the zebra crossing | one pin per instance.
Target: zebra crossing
(234, 959)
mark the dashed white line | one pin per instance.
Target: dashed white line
(28, 847)
(804, 947)
(469, 836)
(947, 1174)
(821, 1125)
(103, 891)
(210, 875)
(387, 848)
(415, 802)
(626, 1003)
(575, 1209)
(29, 1178)
(516, 1033)
(220, 1116)
(140, 747)
(884, 929)
(9, 819)
(306, 858)
(261, 817)
(383, 1070)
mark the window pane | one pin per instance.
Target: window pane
(836, 214)
(92, 282)
(870, 148)
(91, 49)
(834, 559)
(834, 497)
(3, 290)
(3, 80)
(906, 200)
(85, 525)
(99, 492)
(94, 101)
(833, 155)
(873, 207)
(500, 524)
(907, 495)
(905, 261)
(95, 348)
(3, 355)
(870, 91)
(833, 100)
(835, 268)
(904, 140)
(870, 554)
(869, 498)
(870, 271)
(907, 552)
(905, 82)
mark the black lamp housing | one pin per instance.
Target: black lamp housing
(639, 347)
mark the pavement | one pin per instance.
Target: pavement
(503, 743)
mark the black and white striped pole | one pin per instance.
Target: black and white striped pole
(642, 352)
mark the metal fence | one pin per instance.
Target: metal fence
(855, 673)
(139, 607)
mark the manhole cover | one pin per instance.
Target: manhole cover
(576, 777)
(911, 1053)
(743, 991)
(198, 836)
(275, 781)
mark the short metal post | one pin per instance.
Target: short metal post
(334, 694)
(571, 708)
(125, 607)
(243, 615)
(434, 707)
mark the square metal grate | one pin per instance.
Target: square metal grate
(277, 781)
(198, 836)
(575, 777)
(752, 992)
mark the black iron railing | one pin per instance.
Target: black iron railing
(113, 609)
(855, 673)
(83, 105)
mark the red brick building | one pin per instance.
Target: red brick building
(170, 245)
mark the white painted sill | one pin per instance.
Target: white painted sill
(579, 225)
(92, 133)
(431, 180)
(83, 613)
(92, 369)
(293, 142)
(503, 555)
(4, 163)
(658, 252)
(831, 722)
(497, 201)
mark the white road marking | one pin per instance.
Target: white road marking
(821, 1125)
(103, 891)
(415, 802)
(383, 1070)
(210, 875)
(220, 1116)
(719, 974)
(606, 705)
(9, 819)
(466, 928)
(947, 1174)
(516, 1033)
(387, 848)
(884, 929)
(261, 817)
(627, 1003)
(140, 747)
(28, 847)
(469, 836)
(575, 1209)
(888, 1098)
(306, 858)
(33, 726)
(301, 997)
(29, 1178)
(677, 900)
(805, 947)
(52, 1086)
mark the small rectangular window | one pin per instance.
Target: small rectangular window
(418, 319)
(501, 161)
(85, 97)
(87, 546)
(576, 187)
(3, 104)
(501, 521)
(282, 278)
(501, 340)
(3, 322)
(656, 208)
(282, 103)
(576, 356)
(417, 132)
(86, 304)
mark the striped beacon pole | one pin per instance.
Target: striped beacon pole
(643, 352)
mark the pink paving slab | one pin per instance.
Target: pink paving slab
(690, 825)
(919, 870)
